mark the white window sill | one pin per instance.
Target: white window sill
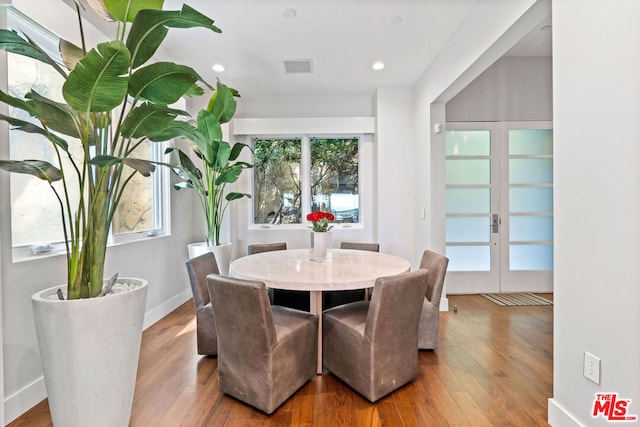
(24, 253)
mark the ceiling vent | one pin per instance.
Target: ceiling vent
(298, 66)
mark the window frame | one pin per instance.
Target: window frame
(305, 180)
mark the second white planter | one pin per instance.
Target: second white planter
(221, 252)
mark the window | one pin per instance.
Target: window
(294, 176)
(35, 212)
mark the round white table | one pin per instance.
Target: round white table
(293, 270)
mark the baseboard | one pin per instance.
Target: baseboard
(444, 304)
(157, 313)
(26, 398)
(560, 417)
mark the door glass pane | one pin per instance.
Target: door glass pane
(468, 143)
(468, 200)
(471, 172)
(530, 199)
(466, 229)
(530, 141)
(469, 258)
(530, 228)
(531, 257)
(530, 171)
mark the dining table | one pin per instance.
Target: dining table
(293, 269)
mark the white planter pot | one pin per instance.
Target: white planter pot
(221, 252)
(89, 350)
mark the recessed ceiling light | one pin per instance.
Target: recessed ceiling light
(219, 68)
(377, 66)
(289, 13)
(396, 19)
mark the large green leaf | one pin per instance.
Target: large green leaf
(12, 42)
(222, 104)
(178, 129)
(56, 116)
(145, 167)
(211, 131)
(236, 150)
(163, 82)
(99, 81)
(18, 103)
(29, 127)
(126, 10)
(38, 168)
(148, 119)
(235, 196)
(229, 174)
(149, 29)
(186, 163)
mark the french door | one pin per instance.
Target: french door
(499, 207)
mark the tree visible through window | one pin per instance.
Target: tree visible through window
(330, 181)
(277, 197)
(334, 177)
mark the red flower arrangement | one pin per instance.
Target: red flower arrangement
(321, 220)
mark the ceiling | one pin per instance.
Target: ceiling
(342, 38)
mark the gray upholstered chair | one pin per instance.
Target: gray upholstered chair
(335, 298)
(430, 318)
(373, 247)
(373, 345)
(293, 299)
(265, 353)
(198, 268)
(266, 247)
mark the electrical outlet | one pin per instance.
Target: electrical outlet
(591, 367)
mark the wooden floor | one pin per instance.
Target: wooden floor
(493, 368)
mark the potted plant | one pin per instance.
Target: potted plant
(115, 98)
(219, 166)
(320, 235)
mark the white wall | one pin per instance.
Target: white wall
(395, 178)
(597, 205)
(160, 260)
(512, 89)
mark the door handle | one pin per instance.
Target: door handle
(495, 223)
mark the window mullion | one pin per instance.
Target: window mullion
(305, 177)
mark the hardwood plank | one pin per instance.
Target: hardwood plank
(493, 368)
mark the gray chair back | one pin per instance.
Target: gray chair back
(373, 247)
(266, 247)
(198, 269)
(394, 311)
(429, 330)
(243, 318)
(437, 266)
